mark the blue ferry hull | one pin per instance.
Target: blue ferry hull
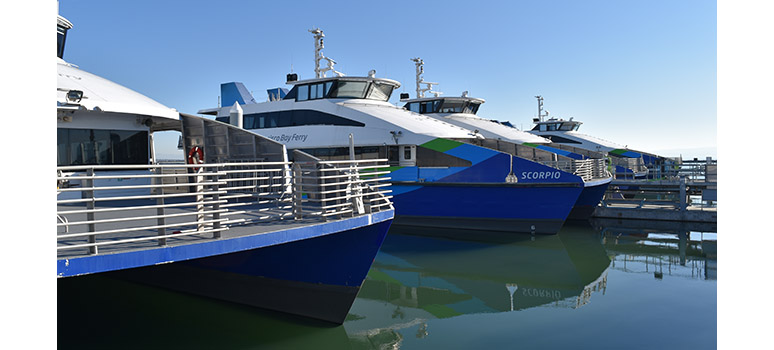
(317, 277)
(526, 208)
(310, 271)
(477, 197)
(588, 200)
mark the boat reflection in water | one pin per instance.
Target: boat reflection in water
(567, 291)
(418, 278)
(660, 247)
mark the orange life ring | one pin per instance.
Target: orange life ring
(196, 156)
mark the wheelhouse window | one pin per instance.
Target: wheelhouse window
(342, 89)
(452, 106)
(350, 89)
(380, 92)
(471, 108)
(443, 106)
(569, 126)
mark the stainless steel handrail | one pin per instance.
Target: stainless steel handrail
(100, 206)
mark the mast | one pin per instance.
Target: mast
(318, 56)
(419, 63)
(540, 108)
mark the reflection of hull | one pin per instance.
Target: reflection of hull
(317, 277)
(448, 277)
(124, 315)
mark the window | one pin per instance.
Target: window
(297, 117)
(471, 108)
(452, 106)
(559, 139)
(414, 107)
(303, 92)
(566, 127)
(429, 107)
(354, 89)
(102, 147)
(380, 92)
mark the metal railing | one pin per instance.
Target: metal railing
(636, 165)
(338, 188)
(112, 206)
(587, 169)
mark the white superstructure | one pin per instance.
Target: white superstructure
(323, 112)
(100, 122)
(461, 111)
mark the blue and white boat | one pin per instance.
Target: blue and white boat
(589, 166)
(441, 176)
(234, 221)
(629, 163)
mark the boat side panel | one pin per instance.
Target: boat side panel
(488, 202)
(588, 201)
(318, 277)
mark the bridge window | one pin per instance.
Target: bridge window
(341, 89)
(352, 89)
(452, 106)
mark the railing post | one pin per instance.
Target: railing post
(356, 191)
(216, 205)
(160, 219)
(683, 199)
(199, 199)
(297, 195)
(90, 205)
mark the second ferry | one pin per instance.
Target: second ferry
(441, 175)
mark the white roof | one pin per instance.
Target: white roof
(100, 94)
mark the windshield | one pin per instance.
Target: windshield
(374, 90)
(353, 89)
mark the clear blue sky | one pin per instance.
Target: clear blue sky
(638, 73)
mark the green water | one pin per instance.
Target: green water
(598, 287)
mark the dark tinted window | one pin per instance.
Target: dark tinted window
(559, 139)
(294, 118)
(101, 147)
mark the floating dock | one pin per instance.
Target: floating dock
(681, 200)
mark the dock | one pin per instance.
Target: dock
(691, 197)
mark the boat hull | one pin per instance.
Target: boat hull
(317, 277)
(589, 200)
(502, 207)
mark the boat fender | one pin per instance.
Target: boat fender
(196, 156)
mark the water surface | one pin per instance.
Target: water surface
(609, 285)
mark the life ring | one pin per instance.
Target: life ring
(196, 156)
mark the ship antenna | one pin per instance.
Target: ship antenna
(318, 56)
(421, 80)
(540, 108)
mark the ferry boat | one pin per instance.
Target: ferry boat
(631, 164)
(234, 220)
(589, 166)
(440, 174)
